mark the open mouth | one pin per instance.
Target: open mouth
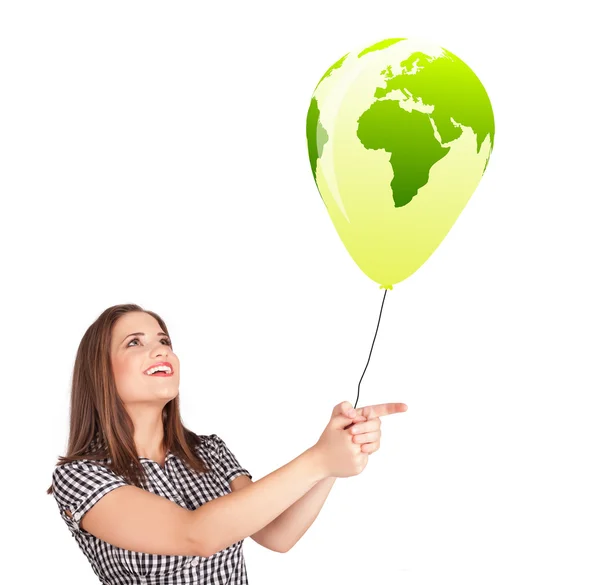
(160, 370)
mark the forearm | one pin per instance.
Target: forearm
(235, 516)
(289, 527)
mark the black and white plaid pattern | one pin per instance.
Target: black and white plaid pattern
(79, 485)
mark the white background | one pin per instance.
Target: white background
(155, 153)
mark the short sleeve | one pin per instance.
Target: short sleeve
(229, 466)
(78, 485)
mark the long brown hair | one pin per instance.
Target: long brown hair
(99, 426)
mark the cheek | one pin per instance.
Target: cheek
(126, 377)
(120, 369)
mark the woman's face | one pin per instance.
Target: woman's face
(137, 343)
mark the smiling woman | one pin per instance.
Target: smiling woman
(133, 473)
(147, 499)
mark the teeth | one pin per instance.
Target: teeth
(158, 368)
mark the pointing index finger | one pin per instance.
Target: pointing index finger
(382, 409)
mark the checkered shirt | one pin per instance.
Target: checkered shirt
(79, 485)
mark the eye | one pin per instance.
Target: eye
(168, 341)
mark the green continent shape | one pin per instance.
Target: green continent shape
(379, 46)
(409, 138)
(335, 66)
(449, 85)
(316, 135)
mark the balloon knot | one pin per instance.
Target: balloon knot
(388, 286)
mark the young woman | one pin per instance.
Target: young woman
(148, 500)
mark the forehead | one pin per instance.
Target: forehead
(135, 321)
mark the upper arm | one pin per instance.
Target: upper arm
(94, 499)
(137, 520)
(240, 482)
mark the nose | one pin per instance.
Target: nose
(161, 349)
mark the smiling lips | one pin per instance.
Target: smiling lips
(160, 369)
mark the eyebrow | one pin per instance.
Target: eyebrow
(142, 333)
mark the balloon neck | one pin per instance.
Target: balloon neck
(388, 286)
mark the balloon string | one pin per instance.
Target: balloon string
(380, 311)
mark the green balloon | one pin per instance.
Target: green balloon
(399, 135)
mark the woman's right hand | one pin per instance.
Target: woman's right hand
(341, 456)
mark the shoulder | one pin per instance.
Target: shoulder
(77, 485)
(210, 445)
(207, 440)
(83, 468)
(215, 445)
(216, 450)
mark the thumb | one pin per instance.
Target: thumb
(342, 408)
